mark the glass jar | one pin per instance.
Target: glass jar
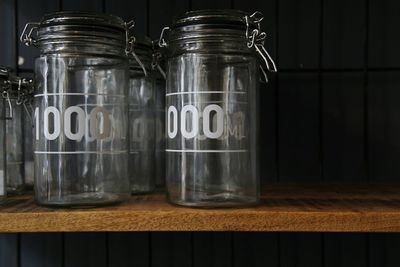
(212, 111)
(80, 132)
(141, 118)
(4, 84)
(19, 94)
(158, 67)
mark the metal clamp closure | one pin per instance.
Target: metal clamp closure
(161, 40)
(26, 36)
(255, 38)
(6, 96)
(130, 43)
(155, 64)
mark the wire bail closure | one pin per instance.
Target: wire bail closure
(161, 40)
(26, 36)
(155, 64)
(20, 90)
(130, 44)
(256, 38)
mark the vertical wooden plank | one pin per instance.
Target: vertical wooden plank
(343, 34)
(299, 34)
(255, 250)
(384, 250)
(128, 249)
(384, 40)
(130, 10)
(42, 249)
(345, 250)
(299, 158)
(211, 4)
(87, 5)
(9, 250)
(384, 126)
(301, 250)
(161, 14)
(171, 249)
(85, 250)
(7, 33)
(31, 11)
(343, 127)
(212, 249)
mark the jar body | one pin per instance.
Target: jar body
(160, 132)
(28, 154)
(3, 155)
(212, 126)
(141, 133)
(15, 156)
(80, 133)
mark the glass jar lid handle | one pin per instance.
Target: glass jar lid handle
(26, 36)
(155, 64)
(161, 40)
(255, 38)
(130, 43)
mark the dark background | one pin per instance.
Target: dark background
(331, 114)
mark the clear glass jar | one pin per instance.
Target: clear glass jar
(141, 119)
(15, 145)
(212, 112)
(80, 133)
(159, 89)
(19, 91)
(4, 85)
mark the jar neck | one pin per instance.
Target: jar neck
(82, 48)
(207, 39)
(78, 39)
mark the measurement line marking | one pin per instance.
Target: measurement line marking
(207, 92)
(205, 151)
(81, 152)
(77, 94)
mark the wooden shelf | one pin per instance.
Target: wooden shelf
(373, 208)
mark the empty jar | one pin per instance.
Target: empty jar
(142, 161)
(4, 85)
(19, 94)
(159, 90)
(212, 111)
(80, 133)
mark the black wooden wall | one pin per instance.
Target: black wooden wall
(332, 114)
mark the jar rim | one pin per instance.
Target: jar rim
(82, 18)
(81, 26)
(213, 17)
(212, 25)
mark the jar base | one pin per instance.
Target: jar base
(142, 190)
(83, 200)
(225, 200)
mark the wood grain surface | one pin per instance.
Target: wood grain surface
(373, 208)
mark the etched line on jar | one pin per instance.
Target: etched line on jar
(206, 92)
(206, 151)
(81, 152)
(77, 94)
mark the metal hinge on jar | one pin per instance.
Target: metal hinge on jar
(130, 44)
(255, 38)
(26, 36)
(155, 64)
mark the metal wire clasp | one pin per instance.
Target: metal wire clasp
(255, 38)
(161, 40)
(26, 36)
(130, 43)
(155, 64)
(6, 95)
